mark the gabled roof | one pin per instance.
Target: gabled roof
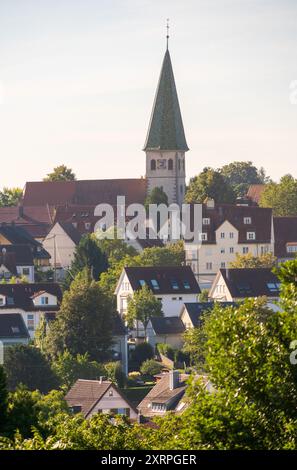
(161, 393)
(36, 220)
(18, 235)
(261, 222)
(166, 130)
(251, 282)
(166, 276)
(21, 255)
(167, 325)
(87, 393)
(196, 310)
(21, 296)
(84, 192)
(71, 231)
(12, 326)
(285, 232)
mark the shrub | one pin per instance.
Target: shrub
(141, 353)
(115, 373)
(150, 367)
(167, 350)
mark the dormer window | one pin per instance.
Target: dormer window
(206, 221)
(174, 284)
(44, 300)
(251, 236)
(2, 300)
(292, 247)
(155, 284)
(203, 236)
(247, 220)
(141, 282)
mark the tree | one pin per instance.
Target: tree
(240, 175)
(28, 366)
(210, 184)
(150, 367)
(10, 196)
(3, 398)
(142, 307)
(69, 368)
(282, 196)
(85, 320)
(116, 250)
(266, 260)
(141, 353)
(87, 255)
(61, 173)
(156, 196)
(115, 373)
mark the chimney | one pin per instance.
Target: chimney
(173, 379)
(21, 209)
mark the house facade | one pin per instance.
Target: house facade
(91, 397)
(226, 231)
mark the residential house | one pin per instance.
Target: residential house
(285, 232)
(90, 397)
(226, 231)
(172, 285)
(60, 243)
(16, 260)
(234, 285)
(31, 301)
(15, 235)
(167, 330)
(36, 220)
(192, 313)
(13, 330)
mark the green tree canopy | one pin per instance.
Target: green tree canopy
(28, 366)
(3, 398)
(282, 196)
(210, 184)
(156, 196)
(60, 173)
(266, 260)
(240, 175)
(85, 321)
(87, 255)
(142, 307)
(10, 196)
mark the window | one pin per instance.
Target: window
(206, 221)
(245, 250)
(87, 225)
(247, 220)
(222, 234)
(158, 407)
(174, 284)
(26, 271)
(251, 235)
(10, 301)
(231, 249)
(244, 288)
(231, 234)
(209, 266)
(223, 264)
(44, 300)
(186, 284)
(30, 322)
(155, 284)
(15, 330)
(273, 286)
(292, 248)
(2, 300)
(110, 393)
(222, 250)
(153, 165)
(203, 236)
(170, 164)
(141, 282)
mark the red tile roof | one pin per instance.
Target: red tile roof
(84, 192)
(255, 191)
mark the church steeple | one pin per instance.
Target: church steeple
(166, 144)
(166, 130)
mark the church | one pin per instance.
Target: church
(165, 147)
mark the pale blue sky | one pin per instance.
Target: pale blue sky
(78, 77)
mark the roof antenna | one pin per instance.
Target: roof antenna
(167, 36)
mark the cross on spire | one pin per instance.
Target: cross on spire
(167, 36)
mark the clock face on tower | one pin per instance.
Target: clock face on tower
(161, 164)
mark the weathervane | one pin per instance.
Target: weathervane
(167, 37)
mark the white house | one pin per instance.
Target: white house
(172, 285)
(60, 243)
(31, 301)
(226, 231)
(16, 260)
(234, 285)
(90, 397)
(168, 330)
(12, 330)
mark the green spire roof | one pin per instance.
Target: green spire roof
(166, 130)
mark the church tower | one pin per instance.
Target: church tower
(166, 144)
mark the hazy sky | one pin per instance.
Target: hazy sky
(78, 78)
